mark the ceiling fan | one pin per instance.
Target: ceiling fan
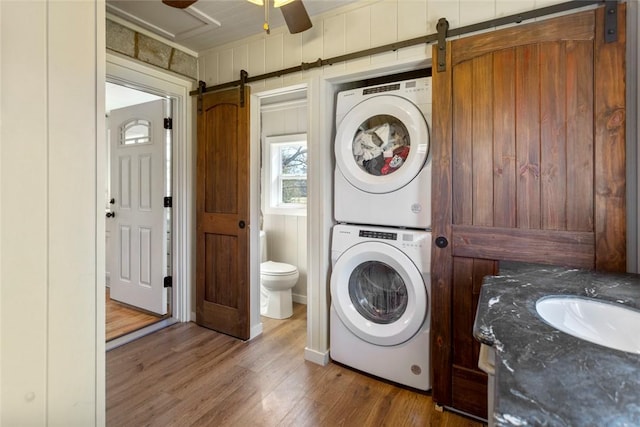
(293, 11)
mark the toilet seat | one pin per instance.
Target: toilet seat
(272, 268)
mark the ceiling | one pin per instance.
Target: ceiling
(117, 96)
(208, 23)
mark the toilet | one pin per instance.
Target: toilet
(276, 281)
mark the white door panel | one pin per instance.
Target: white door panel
(138, 243)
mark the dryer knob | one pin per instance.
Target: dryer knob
(441, 242)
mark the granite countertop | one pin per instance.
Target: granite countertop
(545, 377)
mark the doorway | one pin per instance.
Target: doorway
(124, 72)
(137, 209)
(283, 127)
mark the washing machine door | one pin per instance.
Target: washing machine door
(378, 293)
(382, 144)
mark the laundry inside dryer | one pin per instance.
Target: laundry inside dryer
(381, 149)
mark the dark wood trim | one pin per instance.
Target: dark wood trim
(571, 248)
(441, 266)
(575, 27)
(610, 140)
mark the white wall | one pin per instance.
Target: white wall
(51, 315)
(352, 28)
(287, 234)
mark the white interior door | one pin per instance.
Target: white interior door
(138, 242)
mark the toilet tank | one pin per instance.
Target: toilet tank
(263, 246)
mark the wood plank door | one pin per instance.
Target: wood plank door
(222, 277)
(529, 165)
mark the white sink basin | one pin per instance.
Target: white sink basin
(609, 324)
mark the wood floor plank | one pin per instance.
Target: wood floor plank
(306, 413)
(121, 319)
(185, 375)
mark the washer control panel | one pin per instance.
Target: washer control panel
(406, 240)
(378, 235)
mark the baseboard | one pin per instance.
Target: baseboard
(317, 357)
(300, 299)
(255, 331)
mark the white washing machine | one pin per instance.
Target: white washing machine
(380, 309)
(383, 167)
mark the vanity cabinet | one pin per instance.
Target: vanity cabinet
(544, 376)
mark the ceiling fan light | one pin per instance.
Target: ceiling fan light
(296, 17)
(180, 4)
(258, 2)
(278, 3)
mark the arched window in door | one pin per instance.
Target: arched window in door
(135, 132)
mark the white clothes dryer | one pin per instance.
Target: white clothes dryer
(380, 312)
(383, 168)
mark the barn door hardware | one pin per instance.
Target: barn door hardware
(201, 87)
(243, 81)
(610, 21)
(443, 31)
(442, 27)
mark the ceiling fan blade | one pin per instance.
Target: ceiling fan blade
(180, 4)
(296, 17)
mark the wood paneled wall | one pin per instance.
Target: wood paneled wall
(51, 261)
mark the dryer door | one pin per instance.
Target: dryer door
(382, 144)
(378, 293)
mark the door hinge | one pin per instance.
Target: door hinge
(168, 123)
(168, 282)
(168, 202)
(610, 21)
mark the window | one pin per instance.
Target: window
(286, 174)
(136, 131)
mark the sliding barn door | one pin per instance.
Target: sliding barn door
(529, 165)
(222, 266)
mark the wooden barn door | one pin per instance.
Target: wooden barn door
(529, 165)
(222, 266)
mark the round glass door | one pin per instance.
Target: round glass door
(378, 293)
(382, 144)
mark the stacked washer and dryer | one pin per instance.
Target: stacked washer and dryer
(380, 282)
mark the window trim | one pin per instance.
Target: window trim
(273, 179)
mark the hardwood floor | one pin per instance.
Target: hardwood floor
(185, 375)
(122, 319)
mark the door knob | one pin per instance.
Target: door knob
(441, 242)
(111, 214)
(241, 224)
